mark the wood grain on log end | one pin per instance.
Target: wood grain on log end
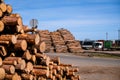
(2, 73)
(3, 7)
(9, 9)
(1, 26)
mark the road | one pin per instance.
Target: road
(87, 61)
(92, 68)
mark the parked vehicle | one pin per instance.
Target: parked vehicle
(107, 45)
(87, 44)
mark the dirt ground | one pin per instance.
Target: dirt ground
(99, 73)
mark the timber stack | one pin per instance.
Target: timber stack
(22, 54)
(60, 41)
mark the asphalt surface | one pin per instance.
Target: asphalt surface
(86, 61)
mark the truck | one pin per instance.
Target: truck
(107, 45)
(87, 44)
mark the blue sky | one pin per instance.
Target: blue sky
(86, 19)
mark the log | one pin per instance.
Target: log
(4, 42)
(17, 59)
(29, 67)
(3, 51)
(27, 55)
(12, 77)
(55, 60)
(12, 21)
(41, 47)
(40, 72)
(40, 67)
(9, 9)
(11, 38)
(1, 62)
(30, 38)
(2, 74)
(9, 62)
(76, 77)
(1, 13)
(15, 15)
(10, 69)
(27, 76)
(21, 45)
(1, 26)
(3, 7)
(33, 59)
(21, 65)
(38, 55)
(30, 30)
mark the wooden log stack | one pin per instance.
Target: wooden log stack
(58, 42)
(45, 37)
(22, 54)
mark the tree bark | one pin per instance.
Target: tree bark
(10, 69)
(11, 38)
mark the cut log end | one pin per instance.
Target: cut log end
(37, 39)
(3, 7)
(1, 26)
(2, 73)
(9, 9)
(14, 39)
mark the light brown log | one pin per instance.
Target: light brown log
(3, 7)
(41, 47)
(12, 77)
(18, 59)
(40, 67)
(15, 15)
(12, 55)
(76, 77)
(2, 74)
(21, 65)
(40, 72)
(56, 67)
(1, 62)
(9, 62)
(1, 26)
(27, 55)
(27, 76)
(9, 9)
(30, 38)
(29, 67)
(58, 76)
(1, 13)
(3, 51)
(10, 69)
(21, 45)
(30, 30)
(12, 21)
(39, 55)
(33, 59)
(55, 60)
(4, 42)
(66, 65)
(11, 38)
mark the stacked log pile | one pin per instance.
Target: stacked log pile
(72, 44)
(58, 42)
(45, 37)
(22, 53)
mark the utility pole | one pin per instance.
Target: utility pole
(118, 34)
(106, 35)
